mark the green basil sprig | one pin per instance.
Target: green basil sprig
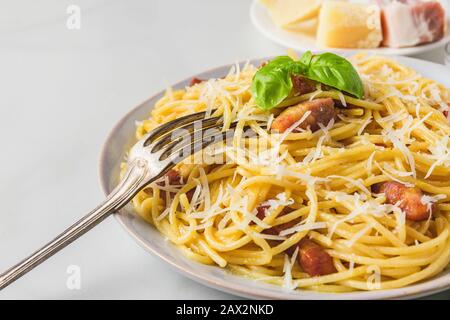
(272, 83)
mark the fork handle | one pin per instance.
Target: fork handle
(133, 181)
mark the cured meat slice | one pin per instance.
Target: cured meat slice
(408, 23)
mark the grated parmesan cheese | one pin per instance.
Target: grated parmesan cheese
(400, 141)
(397, 172)
(364, 125)
(359, 234)
(358, 204)
(357, 183)
(269, 236)
(280, 200)
(430, 200)
(287, 269)
(440, 153)
(306, 178)
(392, 177)
(342, 98)
(370, 162)
(303, 227)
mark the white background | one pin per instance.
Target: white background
(61, 91)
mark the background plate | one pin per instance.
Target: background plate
(264, 24)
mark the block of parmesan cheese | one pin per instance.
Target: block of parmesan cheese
(349, 25)
(287, 12)
(307, 29)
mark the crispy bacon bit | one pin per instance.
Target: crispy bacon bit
(340, 105)
(313, 259)
(275, 230)
(447, 111)
(173, 178)
(302, 85)
(195, 81)
(322, 111)
(409, 199)
(190, 194)
(261, 211)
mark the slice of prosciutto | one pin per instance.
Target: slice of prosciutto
(408, 23)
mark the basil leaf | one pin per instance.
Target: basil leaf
(272, 83)
(333, 70)
(305, 59)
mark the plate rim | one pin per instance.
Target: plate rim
(262, 29)
(420, 289)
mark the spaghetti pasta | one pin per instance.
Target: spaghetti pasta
(313, 185)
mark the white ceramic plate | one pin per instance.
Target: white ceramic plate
(262, 21)
(122, 137)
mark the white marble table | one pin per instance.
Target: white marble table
(61, 92)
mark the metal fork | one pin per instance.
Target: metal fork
(148, 160)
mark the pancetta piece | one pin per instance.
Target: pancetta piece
(302, 85)
(195, 81)
(313, 259)
(171, 178)
(321, 112)
(408, 23)
(409, 199)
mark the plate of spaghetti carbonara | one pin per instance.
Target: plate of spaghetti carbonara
(333, 184)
